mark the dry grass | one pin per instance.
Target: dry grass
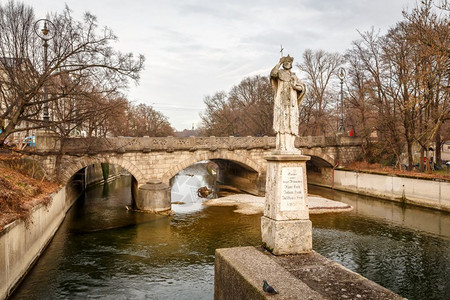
(22, 187)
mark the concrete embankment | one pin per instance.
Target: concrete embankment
(421, 192)
(239, 274)
(22, 243)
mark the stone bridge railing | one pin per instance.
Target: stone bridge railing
(171, 144)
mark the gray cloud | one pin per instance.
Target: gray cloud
(197, 47)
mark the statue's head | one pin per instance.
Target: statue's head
(287, 64)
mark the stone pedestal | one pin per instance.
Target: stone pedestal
(47, 141)
(285, 226)
(153, 197)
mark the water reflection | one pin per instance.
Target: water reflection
(405, 249)
(407, 216)
(104, 251)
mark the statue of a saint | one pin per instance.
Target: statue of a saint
(289, 93)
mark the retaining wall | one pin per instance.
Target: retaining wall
(239, 274)
(422, 192)
(21, 244)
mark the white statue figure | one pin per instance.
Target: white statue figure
(289, 92)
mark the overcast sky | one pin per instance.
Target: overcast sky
(194, 48)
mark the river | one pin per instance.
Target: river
(104, 251)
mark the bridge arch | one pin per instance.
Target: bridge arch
(224, 155)
(319, 159)
(68, 169)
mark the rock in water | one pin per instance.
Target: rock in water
(203, 192)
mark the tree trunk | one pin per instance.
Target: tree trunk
(410, 155)
(438, 147)
(421, 165)
(427, 151)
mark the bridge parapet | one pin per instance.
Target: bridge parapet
(326, 141)
(170, 144)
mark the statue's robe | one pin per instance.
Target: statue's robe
(289, 92)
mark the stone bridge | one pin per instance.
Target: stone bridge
(153, 161)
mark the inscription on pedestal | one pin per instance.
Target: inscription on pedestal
(292, 190)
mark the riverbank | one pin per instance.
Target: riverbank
(21, 244)
(249, 204)
(22, 187)
(174, 257)
(429, 193)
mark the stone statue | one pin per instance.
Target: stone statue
(289, 93)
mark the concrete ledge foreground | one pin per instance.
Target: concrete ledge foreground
(239, 274)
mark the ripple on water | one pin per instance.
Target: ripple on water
(173, 257)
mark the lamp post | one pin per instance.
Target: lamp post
(46, 31)
(341, 119)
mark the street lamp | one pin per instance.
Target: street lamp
(46, 31)
(341, 120)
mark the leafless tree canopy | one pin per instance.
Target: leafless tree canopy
(247, 109)
(82, 69)
(320, 69)
(398, 84)
(396, 91)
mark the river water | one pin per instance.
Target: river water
(104, 251)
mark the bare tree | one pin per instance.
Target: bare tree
(145, 121)
(398, 57)
(361, 114)
(320, 68)
(403, 78)
(80, 54)
(253, 98)
(220, 117)
(246, 110)
(369, 52)
(429, 35)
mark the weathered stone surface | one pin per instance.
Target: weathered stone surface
(239, 273)
(285, 226)
(331, 279)
(153, 197)
(288, 94)
(46, 140)
(287, 236)
(21, 244)
(286, 196)
(147, 157)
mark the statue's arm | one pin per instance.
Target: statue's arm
(274, 72)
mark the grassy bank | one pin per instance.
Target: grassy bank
(22, 186)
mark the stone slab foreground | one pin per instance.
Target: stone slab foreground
(239, 274)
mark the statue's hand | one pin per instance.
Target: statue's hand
(297, 87)
(282, 60)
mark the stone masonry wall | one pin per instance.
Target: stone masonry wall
(162, 158)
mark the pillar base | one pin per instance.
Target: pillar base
(153, 197)
(286, 236)
(47, 141)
